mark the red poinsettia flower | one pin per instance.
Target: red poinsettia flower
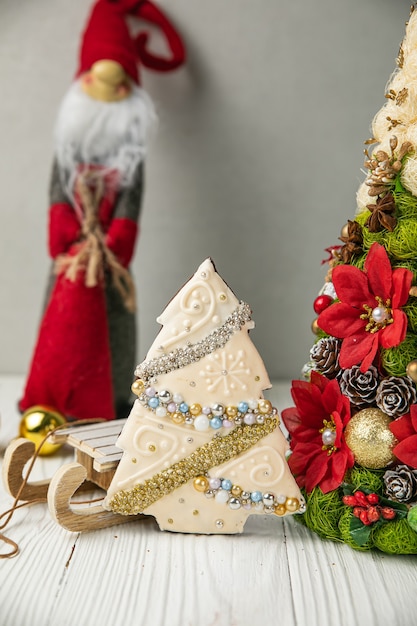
(405, 430)
(320, 454)
(368, 314)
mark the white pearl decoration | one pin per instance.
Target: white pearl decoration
(379, 314)
(328, 437)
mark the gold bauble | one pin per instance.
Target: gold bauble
(36, 423)
(292, 504)
(195, 409)
(370, 439)
(412, 370)
(345, 231)
(200, 483)
(264, 406)
(138, 387)
(280, 510)
(315, 327)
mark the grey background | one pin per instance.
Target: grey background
(256, 161)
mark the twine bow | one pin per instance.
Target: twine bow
(93, 256)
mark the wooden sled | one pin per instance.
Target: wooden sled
(96, 460)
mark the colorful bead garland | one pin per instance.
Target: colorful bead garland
(166, 404)
(223, 491)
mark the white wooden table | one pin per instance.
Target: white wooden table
(277, 572)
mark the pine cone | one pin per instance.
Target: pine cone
(395, 394)
(401, 483)
(360, 387)
(325, 356)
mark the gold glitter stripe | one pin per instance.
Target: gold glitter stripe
(215, 452)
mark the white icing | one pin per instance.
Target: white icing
(229, 375)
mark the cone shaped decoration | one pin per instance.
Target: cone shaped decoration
(353, 428)
(202, 447)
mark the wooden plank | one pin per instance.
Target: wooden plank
(77, 432)
(103, 464)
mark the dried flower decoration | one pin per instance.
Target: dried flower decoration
(399, 98)
(383, 168)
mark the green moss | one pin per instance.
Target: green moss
(323, 513)
(395, 360)
(395, 538)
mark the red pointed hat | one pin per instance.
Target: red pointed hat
(107, 36)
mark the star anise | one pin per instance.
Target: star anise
(353, 242)
(382, 214)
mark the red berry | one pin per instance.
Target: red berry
(321, 303)
(361, 498)
(350, 500)
(357, 511)
(387, 512)
(372, 498)
(364, 518)
(373, 514)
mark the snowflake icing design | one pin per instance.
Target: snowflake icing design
(227, 370)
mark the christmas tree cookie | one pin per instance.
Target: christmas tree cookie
(354, 424)
(202, 447)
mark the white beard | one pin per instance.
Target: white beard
(111, 134)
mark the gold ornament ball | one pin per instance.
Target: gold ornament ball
(345, 231)
(292, 504)
(315, 327)
(200, 483)
(370, 439)
(138, 387)
(36, 423)
(280, 510)
(412, 370)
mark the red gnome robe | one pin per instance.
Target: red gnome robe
(85, 352)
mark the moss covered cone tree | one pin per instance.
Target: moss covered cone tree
(353, 429)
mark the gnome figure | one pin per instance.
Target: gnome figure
(202, 447)
(85, 352)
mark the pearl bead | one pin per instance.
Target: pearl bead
(195, 409)
(236, 490)
(222, 496)
(150, 392)
(164, 396)
(153, 402)
(242, 407)
(227, 424)
(280, 509)
(231, 411)
(281, 498)
(253, 404)
(379, 314)
(250, 418)
(172, 407)
(292, 504)
(226, 484)
(177, 418)
(217, 409)
(183, 407)
(328, 436)
(234, 504)
(268, 499)
(138, 387)
(256, 496)
(216, 422)
(265, 406)
(215, 483)
(160, 411)
(177, 397)
(219, 523)
(201, 423)
(200, 483)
